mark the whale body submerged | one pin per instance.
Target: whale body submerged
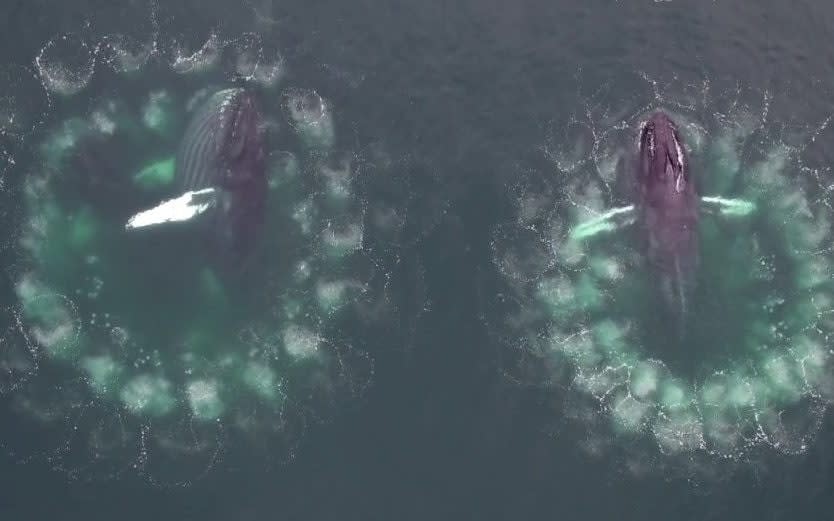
(667, 212)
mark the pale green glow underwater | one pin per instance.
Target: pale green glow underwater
(194, 348)
(142, 318)
(755, 368)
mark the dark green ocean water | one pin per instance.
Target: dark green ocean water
(473, 88)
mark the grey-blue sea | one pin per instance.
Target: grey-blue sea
(469, 86)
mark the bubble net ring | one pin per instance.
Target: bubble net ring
(760, 371)
(153, 351)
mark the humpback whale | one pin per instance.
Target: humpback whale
(220, 171)
(665, 211)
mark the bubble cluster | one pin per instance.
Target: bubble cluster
(582, 316)
(66, 64)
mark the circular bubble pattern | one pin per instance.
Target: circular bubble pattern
(128, 345)
(755, 369)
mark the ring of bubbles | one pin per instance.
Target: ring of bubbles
(151, 347)
(582, 314)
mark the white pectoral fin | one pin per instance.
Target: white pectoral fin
(610, 221)
(727, 207)
(182, 208)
